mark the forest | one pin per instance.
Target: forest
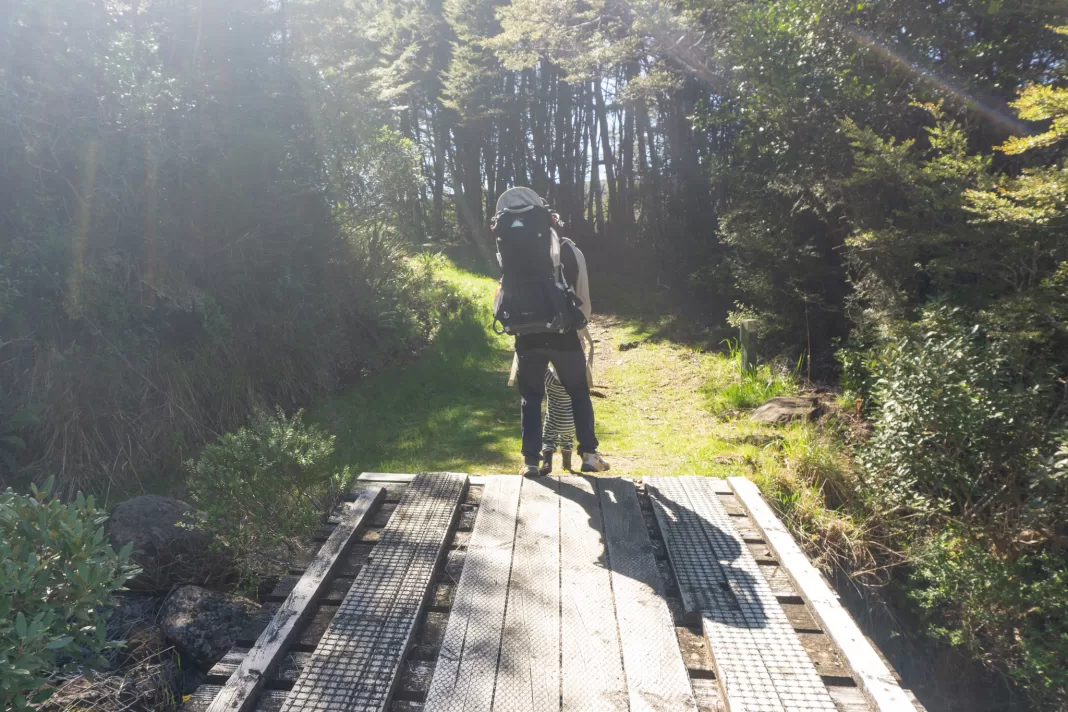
(215, 208)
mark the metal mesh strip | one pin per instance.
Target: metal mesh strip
(355, 664)
(760, 662)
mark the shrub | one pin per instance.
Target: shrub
(969, 470)
(57, 573)
(1002, 607)
(264, 485)
(957, 432)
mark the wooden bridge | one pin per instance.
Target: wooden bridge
(442, 592)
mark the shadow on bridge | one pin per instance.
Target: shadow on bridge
(731, 599)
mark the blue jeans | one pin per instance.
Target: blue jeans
(571, 369)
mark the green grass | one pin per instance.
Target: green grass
(663, 407)
(450, 410)
(749, 391)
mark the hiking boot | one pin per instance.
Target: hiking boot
(546, 462)
(565, 460)
(593, 462)
(530, 471)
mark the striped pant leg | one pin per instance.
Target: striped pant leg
(559, 429)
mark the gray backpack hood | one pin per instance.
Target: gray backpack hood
(519, 200)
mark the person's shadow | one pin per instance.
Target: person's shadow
(703, 565)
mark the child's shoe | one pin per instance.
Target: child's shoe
(546, 462)
(565, 460)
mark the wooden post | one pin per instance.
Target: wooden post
(745, 330)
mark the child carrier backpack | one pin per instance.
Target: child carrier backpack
(533, 296)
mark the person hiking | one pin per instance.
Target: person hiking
(558, 431)
(537, 303)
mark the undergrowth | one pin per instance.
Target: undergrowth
(751, 388)
(265, 486)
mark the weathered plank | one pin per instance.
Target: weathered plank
(238, 694)
(355, 666)
(333, 591)
(528, 674)
(760, 662)
(385, 477)
(269, 700)
(288, 669)
(849, 699)
(591, 670)
(396, 478)
(872, 675)
(467, 664)
(652, 661)
(708, 697)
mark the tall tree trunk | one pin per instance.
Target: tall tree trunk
(580, 157)
(596, 211)
(468, 205)
(626, 197)
(609, 163)
(441, 139)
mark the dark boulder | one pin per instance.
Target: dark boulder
(169, 545)
(203, 625)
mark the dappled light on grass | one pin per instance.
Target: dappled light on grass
(450, 410)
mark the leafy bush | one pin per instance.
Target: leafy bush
(57, 572)
(957, 432)
(264, 485)
(1005, 608)
(970, 476)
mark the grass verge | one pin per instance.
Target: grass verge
(663, 406)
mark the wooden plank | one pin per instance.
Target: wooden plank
(652, 661)
(467, 664)
(394, 490)
(288, 669)
(385, 477)
(708, 697)
(397, 478)
(719, 485)
(849, 699)
(239, 692)
(333, 592)
(872, 674)
(269, 700)
(528, 672)
(356, 664)
(591, 670)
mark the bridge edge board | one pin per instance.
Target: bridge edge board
(873, 676)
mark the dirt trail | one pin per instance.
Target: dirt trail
(652, 416)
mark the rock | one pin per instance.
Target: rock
(203, 625)
(168, 545)
(786, 409)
